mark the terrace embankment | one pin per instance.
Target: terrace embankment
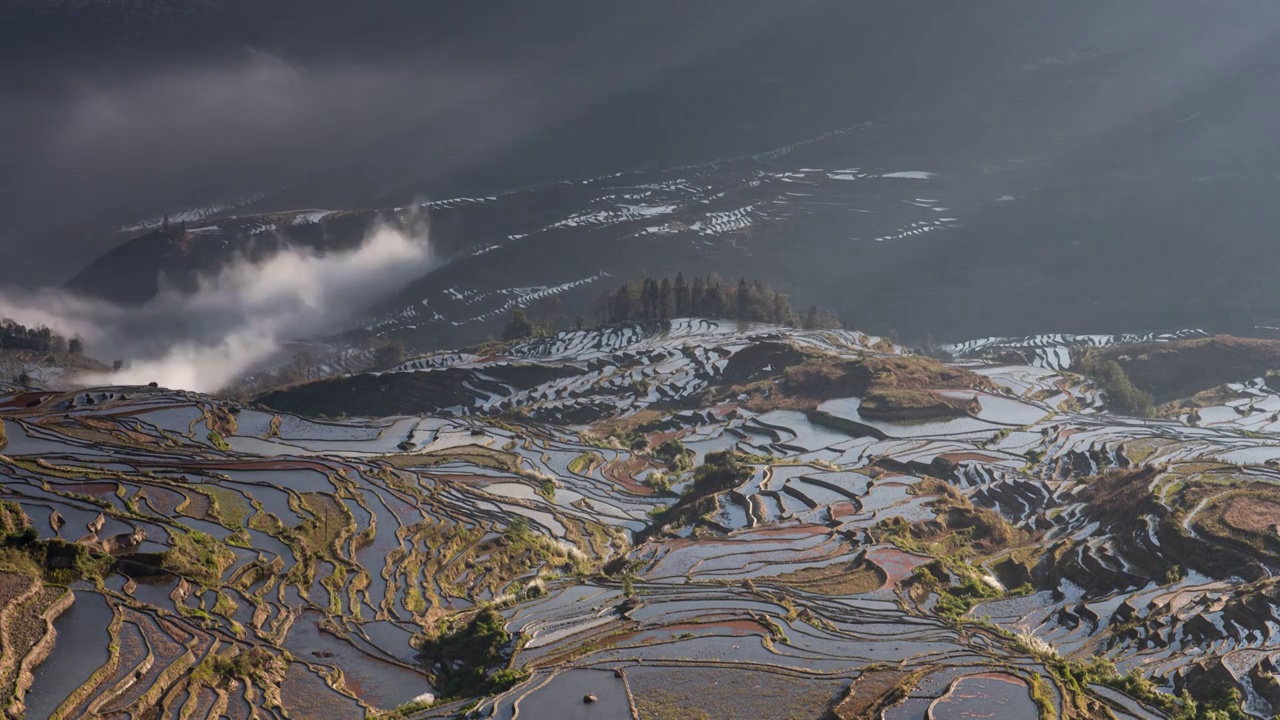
(28, 608)
(957, 526)
(875, 690)
(1163, 524)
(760, 564)
(400, 393)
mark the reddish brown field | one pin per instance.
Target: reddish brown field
(1252, 515)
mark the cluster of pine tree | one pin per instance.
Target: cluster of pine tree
(663, 299)
(14, 336)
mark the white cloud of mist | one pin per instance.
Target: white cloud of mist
(206, 339)
(204, 368)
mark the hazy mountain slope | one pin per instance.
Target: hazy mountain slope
(183, 251)
(1079, 180)
(446, 100)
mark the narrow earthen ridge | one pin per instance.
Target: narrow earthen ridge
(39, 652)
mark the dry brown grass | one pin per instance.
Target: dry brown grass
(874, 690)
(824, 376)
(221, 421)
(623, 426)
(29, 358)
(851, 578)
(1250, 514)
(1119, 495)
(914, 404)
(913, 372)
(103, 433)
(762, 398)
(331, 523)
(474, 454)
(893, 386)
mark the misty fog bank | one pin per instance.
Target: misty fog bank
(235, 320)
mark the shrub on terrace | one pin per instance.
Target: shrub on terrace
(1122, 395)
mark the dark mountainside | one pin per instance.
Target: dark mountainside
(1107, 167)
(178, 254)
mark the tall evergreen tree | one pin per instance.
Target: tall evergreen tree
(519, 327)
(782, 309)
(549, 311)
(14, 336)
(666, 301)
(602, 308)
(697, 298)
(681, 290)
(650, 299)
(811, 319)
(622, 305)
(717, 300)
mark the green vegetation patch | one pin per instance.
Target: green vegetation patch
(229, 506)
(199, 557)
(959, 587)
(1122, 395)
(255, 663)
(720, 471)
(958, 528)
(1180, 369)
(1213, 703)
(677, 457)
(585, 463)
(470, 660)
(22, 552)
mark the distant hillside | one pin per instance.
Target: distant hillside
(44, 368)
(926, 178)
(130, 273)
(1180, 369)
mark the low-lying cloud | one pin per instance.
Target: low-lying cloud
(235, 320)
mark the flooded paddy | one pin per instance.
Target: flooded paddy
(992, 695)
(378, 683)
(548, 699)
(305, 694)
(837, 552)
(70, 665)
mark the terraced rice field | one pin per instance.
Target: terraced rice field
(198, 558)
